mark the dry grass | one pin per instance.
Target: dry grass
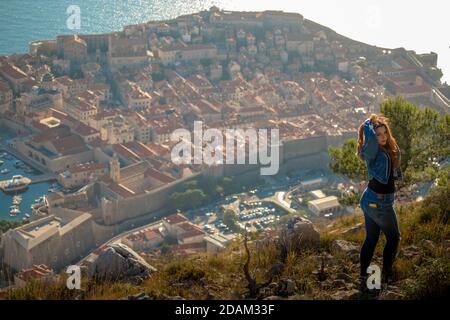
(221, 275)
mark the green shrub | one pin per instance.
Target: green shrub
(431, 280)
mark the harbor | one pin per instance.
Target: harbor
(21, 187)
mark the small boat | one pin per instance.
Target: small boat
(27, 215)
(39, 200)
(2, 155)
(4, 171)
(1, 162)
(17, 200)
(14, 212)
(17, 164)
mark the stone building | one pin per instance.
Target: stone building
(55, 241)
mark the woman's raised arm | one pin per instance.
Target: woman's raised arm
(369, 148)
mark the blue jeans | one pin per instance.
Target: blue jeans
(379, 215)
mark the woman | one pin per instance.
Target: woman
(378, 148)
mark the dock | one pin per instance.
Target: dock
(43, 178)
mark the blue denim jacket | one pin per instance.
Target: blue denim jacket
(377, 161)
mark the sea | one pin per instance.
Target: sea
(34, 191)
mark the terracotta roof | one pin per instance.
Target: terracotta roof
(121, 190)
(158, 175)
(140, 149)
(69, 145)
(175, 218)
(36, 272)
(85, 130)
(13, 72)
(90, 166)
(191, 233)
(51, 134)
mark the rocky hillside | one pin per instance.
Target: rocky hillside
(298, 261)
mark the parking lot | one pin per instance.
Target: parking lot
(252, 216)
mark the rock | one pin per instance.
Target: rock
(390, 295)
(273, 286)
(409, 252)
(338, 283)
(266, 292)
(118, 261)
(343, 246)
(346, 295)
(296, 234)
(326, 285)
(138, 296)
(273, 298)
(167, 297)
(286, 287)
(353, 230)
(344, 276)
(347, 248)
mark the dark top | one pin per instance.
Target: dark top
(382, 188)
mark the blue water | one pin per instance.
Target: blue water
(22, 21)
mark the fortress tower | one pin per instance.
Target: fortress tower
(114, 168)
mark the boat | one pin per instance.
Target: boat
(17, 199)
(39, 200)
(4, 171)
(1, 162)
(14, 212)
(2, 155)
(17, 183)
(27, 215)
(17, 164)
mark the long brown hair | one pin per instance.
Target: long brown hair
(391, 146)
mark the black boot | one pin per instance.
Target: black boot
(363, 291)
